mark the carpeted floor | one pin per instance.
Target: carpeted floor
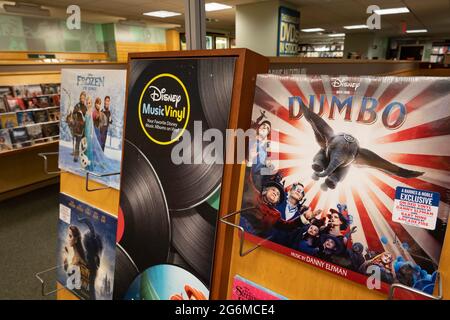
(28, 243)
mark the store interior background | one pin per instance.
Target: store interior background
(35, 44)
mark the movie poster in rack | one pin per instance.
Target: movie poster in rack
(86, 249)
(350, 174)
(91, 113)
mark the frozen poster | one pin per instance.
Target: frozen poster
(86, 249)
(351, 175)
(92, 112)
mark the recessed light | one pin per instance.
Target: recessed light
(162, 14)
(313, 30)
(356, 26)
(392, 11)
(214, 6)
(336, 35)
(417, 31)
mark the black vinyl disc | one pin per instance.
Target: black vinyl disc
(125, 273)
(176, 259)
(147, 232)
(215, 82)
(208, 82)
(193, 237)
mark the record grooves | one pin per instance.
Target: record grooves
(145, 213)
(193, 237)
(125, 273)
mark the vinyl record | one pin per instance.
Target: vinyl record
(167, 282)
(147, 234)
(215, 82)
(193, 236)
(124, 275)
(188, 185)
(176, 259)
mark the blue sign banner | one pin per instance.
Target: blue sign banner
(288, 30)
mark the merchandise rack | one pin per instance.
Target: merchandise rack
(296, 280)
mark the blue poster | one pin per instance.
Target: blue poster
(86, 249)
(92, 113)
(288, 30)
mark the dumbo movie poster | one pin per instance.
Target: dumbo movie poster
(351, 175)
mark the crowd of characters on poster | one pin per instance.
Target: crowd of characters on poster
(278, 213)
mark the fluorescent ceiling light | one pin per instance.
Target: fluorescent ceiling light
(356, 26)
(336, 35)
(27, 8)
(214, 6)
(162, 14)
(417, 31)
(392, 11)
(313, 30)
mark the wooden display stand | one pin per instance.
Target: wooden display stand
(106, 200)
(22, 168)
(282, 274)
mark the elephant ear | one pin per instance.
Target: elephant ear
(368, 158)
(322, 130)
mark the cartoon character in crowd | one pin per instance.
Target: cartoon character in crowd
(330, 247)
(290, 209)
(258, 152)
(191, 293)
(309, 240)
(356, 256)
(264, 215)
(339, 150)
(337, 224)
(385, 262)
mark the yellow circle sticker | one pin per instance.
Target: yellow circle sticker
(164, 109)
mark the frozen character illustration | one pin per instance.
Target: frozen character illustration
(76, 122)
(191, 294)
(308, 241)
(385, 262)
(339, 150)
(93, 158)
(106, 121)
(96, 117)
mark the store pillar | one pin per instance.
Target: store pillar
(195, 24)
(257, 26)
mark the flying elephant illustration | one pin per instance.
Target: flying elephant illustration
(338, 151)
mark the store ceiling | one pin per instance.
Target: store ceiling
(330, 15)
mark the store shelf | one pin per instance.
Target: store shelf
(30, 148)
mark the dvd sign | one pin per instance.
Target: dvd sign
(288, 29)
(164, 107)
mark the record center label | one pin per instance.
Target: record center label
(164, 107)
(418, 208)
